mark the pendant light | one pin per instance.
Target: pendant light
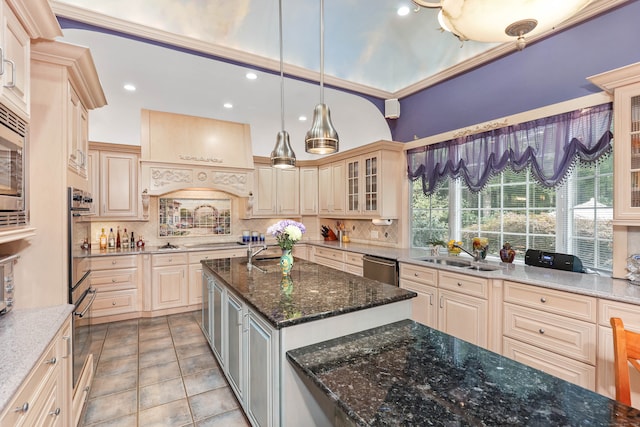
(322, 138)
(282, 155)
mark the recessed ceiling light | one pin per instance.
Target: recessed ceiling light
(302, 118)
(228, 105)
(251, 76)
(403, 10)
(129, 87)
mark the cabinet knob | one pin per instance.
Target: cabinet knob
(113, 262)
(55, 413)
(543, 300)
(51, 361)
(113, 303)
(113, 280)
(459, 284)
(24, 408)
(416, 274)
(541, 331)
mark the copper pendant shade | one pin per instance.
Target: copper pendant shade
(322, 138)
(282, 155)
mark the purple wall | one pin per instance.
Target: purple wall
(549, 71)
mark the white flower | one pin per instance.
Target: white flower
(294, 232)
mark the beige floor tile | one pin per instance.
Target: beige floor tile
(111, 406)
(161, 331)
(158, 373)
(173, 414)
(212, 403)
(201, 362)
(130, 420)
(161, 393)
(196, 338)
(111, 384)
(204, 381)
(117, 366)
(159, 343)
(119, 352)
(192, 350)
(156, 357)
(233, 418)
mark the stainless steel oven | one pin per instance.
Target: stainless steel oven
(81, 294)
(13, 131)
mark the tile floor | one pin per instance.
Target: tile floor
(158, 372)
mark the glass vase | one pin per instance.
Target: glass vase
(286, 262)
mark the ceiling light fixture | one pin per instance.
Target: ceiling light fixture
(322, 138)
(227, 105)
(403, 11)
(282, 155)
(495, 21)
(251, 76)
(129, 87)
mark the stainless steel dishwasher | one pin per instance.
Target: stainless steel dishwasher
(382, 269)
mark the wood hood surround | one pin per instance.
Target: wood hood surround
(187, 152)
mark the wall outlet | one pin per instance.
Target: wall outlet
(374, 234)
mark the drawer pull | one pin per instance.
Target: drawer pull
(416, 274)
(459, 284)
(24, 408)
(113, 280)
(114, 262)
(55, 413)
(113, 303)
(51, 361)
(543, 300)
(541, 331)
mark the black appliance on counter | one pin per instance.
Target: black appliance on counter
(81, 294)
(553, 260)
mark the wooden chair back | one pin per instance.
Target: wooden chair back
(626, 349)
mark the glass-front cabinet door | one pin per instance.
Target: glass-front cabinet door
(371, 184)
(353, 186)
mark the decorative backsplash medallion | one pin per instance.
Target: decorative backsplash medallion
(193, 217)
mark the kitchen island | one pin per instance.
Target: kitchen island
(253, 316)
(409, 374)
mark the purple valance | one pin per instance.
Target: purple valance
(550, 146)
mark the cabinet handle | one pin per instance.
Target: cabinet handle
(459, 284)
(543, 300)
(541, 331)
(441, 302)
(12, 83)
(430, 299)
(55, 413)
(113, 280)
(1, 61)
(245, 327)
(68, 340)
(51, 361)
(24, 408)
(416, 274)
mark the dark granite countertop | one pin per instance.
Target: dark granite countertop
(407, 374)
(314, 291)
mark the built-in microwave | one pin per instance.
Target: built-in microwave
(13, 198)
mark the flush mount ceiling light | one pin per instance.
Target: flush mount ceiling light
(322, 138)
(282, 155)
(496, 21)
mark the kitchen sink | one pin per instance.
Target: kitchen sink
(449, 262)
(482, 268)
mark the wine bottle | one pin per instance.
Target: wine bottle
(118, 241)
(125, 240)
(111, 243)
(103, 240)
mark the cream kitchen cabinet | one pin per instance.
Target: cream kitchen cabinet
(15, 67)
(624, 83)
(169, 288)
(372, 185)
(333, 258)
(195, 269)
(235, 344)
(114, 180)
(308, 190)
(276, 191)
(44, 399)
(78, 137)
(353, 263)
(331, 189)
(424, 282)
(115, 279)
(551, 330)
(605, 372)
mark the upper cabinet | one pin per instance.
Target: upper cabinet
(113, 172)
(369, 184)
(67, 88)
(624, 83)
(276, 192)
(331, 187)
(14, 69)
(308, 190)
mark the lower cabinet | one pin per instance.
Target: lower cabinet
(246, 347)
(169, 281)
(115, 279)
(44, 399)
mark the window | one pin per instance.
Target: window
(574, 218)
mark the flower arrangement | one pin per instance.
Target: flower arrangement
(452, 248)
(480, 243)
(287, 232)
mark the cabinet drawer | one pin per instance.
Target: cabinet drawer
(28, 397)
(415, 286)
(169, 259)
(629, 313)
(353, 269)
(333, 254)
(329, 262)
(558, 302)
(561, 335)
(469, 285)
(196, 257)
(106, 280)
(109, 262)
(353, 258)
(570, 370)
(115, 302)
(415, 273)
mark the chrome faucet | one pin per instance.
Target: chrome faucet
(251, 254)
(475, 255)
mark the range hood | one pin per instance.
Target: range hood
(186, 152)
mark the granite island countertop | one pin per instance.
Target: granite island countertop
(25, 335)
(406, 373)
(313, 292)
